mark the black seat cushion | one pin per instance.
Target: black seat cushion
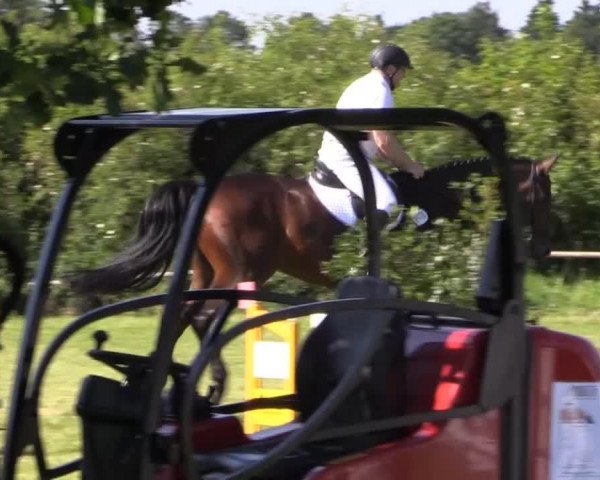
(330, 348)
(323, 361)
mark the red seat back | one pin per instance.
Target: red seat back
(444, 367)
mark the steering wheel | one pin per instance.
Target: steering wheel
(135, 367)
(129, 363)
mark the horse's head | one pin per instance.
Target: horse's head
(535, 196)
(533, 185)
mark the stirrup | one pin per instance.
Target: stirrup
(420, 217)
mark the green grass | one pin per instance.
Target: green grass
(573, 308)
(133, 333)
(129, 333)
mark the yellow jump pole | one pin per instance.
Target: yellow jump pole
(270, 357)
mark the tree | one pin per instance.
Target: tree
(459, 34)
(86, 50)
(114, 15)
(585, 26)
(55, 56)
(22, 11)
(236, 33)
(179, 24)
(542, 21)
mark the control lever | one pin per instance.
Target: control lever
(100, 337)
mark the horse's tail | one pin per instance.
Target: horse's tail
(143, 264)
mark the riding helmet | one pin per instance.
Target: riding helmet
(389, 54)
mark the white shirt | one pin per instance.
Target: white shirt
(369, 91)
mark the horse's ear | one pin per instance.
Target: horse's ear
(545, 166)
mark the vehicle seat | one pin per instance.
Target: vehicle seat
(321, 364)
(330, 348)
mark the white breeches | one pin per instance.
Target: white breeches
(384, 195)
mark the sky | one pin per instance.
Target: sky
(512, 13)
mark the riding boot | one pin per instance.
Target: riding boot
(398, 223)
(381, 219)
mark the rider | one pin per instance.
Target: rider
(389, 64)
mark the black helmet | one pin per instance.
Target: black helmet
(389, 54)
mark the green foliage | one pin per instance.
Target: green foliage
(542, 22)
(441, 264)
(115, 14)
(84, 58)
(585, 27)
(236, 33)
(459, 34)
(84, 51)
(20, 12)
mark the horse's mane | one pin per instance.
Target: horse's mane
(460, 169)
(439, 179)
(456, 170)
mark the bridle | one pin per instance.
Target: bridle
(531, 180)
(532, 197)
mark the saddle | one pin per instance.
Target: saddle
(326, 177)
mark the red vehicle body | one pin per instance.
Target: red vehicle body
(445, 368)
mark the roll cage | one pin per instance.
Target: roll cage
(217, 138)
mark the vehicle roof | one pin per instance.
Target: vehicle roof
(227, 124)
(397, 118)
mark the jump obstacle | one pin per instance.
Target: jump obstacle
(269, 359)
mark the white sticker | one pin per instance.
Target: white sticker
(575, 431)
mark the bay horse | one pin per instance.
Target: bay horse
(257, 224)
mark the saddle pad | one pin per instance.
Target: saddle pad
(336, 201)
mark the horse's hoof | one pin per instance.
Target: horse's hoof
(215, 394)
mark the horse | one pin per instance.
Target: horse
(257, 224)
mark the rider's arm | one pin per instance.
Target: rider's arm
(391, 151)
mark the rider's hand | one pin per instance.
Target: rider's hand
(416, 169)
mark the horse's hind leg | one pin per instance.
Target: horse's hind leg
(218, 370)
(226, 271)
(226, 276)
(200, 315)
(202, 274)
(225, 257)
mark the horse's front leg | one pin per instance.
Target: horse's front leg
(201, 315)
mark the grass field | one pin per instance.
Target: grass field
(573, 308)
